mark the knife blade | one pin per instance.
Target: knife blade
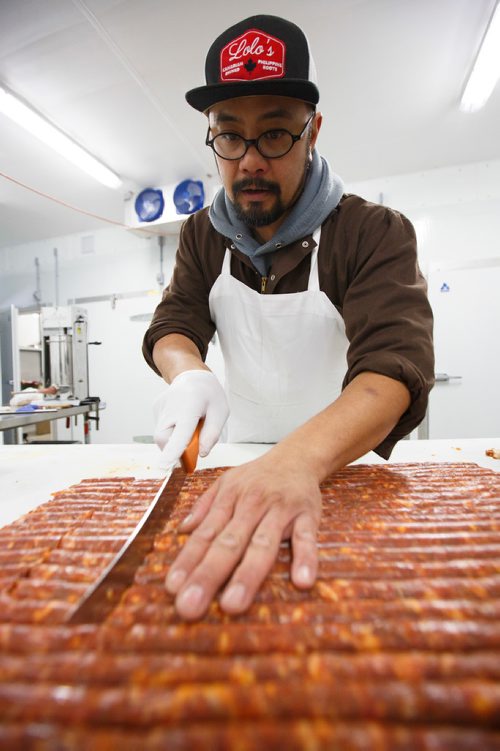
(106, 592)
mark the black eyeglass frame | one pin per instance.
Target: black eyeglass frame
(255, 141)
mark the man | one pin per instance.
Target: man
(321, 313)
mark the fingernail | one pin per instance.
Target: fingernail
(174, 580)
(233, 597)
(191, 599)
(186, 520)
(303, 575)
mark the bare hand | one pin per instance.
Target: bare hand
(237, 526)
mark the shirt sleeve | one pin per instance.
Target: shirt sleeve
(387, 315)
(184, 307)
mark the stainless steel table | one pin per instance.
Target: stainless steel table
(22, 419)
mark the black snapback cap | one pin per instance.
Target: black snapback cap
(260, 55)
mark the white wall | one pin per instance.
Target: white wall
(456, 212)
(105, 262)
(118, 263)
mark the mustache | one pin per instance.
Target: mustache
(256, 183)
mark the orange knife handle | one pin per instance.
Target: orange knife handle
(190, 454)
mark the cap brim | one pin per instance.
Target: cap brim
(204, 97)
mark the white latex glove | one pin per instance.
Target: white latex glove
(192, 395)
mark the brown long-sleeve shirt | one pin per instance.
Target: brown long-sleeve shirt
(367, 267)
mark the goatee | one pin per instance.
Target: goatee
(254, 215)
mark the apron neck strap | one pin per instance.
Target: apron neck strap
(226, 263)
(313, 283)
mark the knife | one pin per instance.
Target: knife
(106, 592)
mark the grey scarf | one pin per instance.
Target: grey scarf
(321, 194)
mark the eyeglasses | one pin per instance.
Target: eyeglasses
(272, 144)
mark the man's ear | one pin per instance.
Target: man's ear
(317, 122)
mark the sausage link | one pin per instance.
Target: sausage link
(394, 701)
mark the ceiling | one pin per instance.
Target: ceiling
(113, 73)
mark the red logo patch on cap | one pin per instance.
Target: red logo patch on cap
(252, 56)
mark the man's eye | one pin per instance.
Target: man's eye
(273, 135)
(228, 137)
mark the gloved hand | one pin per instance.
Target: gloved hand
(192, 395)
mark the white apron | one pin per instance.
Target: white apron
(284, 354)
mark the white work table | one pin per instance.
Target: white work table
(30, 473)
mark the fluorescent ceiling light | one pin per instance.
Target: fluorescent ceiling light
(486, 70)
(50, 135)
